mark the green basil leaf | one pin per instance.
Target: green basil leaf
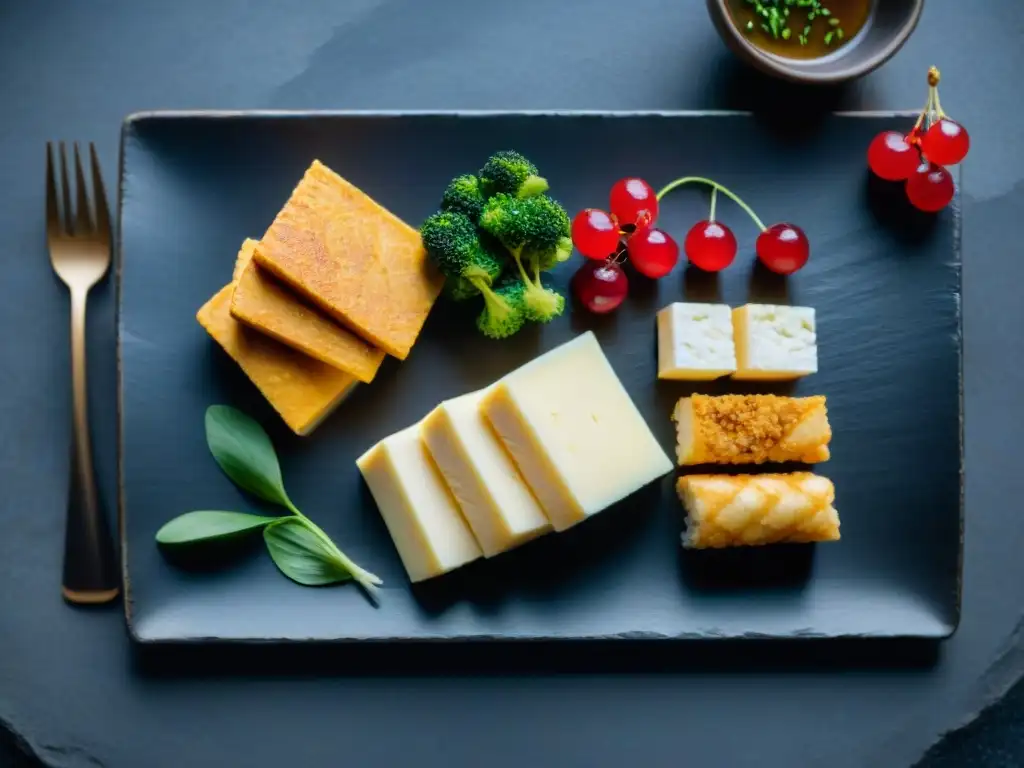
(301, 555)
(244, 451)
(209, 525)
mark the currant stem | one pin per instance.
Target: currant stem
(715, 186)
(934, 106)
(714, 201)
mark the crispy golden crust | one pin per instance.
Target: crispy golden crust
(261, 302)
(752, 429)
(350, 256)
(244, 258)
(751, 510)
(301, 389)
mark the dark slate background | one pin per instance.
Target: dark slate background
(72, 692)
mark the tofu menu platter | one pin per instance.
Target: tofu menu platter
(510, 395)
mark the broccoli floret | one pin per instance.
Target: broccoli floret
(536, 233)
(460, 289)
(509, 172)
(536, 224)
(542, 303)
(504, 311)
(470, 268)
(538, 301)
(548, 259)
(453, 244)
(549, 243)
(463, 195)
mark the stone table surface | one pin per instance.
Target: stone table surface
(72, 691)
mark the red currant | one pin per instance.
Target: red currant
(710, 246)
(653, 252)
(892, 157)
(595, 234)
(930, 188)
(783, 248)
(946, 142)
(633, 201)
(600, 287)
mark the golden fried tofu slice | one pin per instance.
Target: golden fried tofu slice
(261, 302)
(302, 390)
(337, 247)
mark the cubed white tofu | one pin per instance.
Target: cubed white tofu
(695, 342)
(774, 342)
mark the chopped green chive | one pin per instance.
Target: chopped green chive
(774, 15)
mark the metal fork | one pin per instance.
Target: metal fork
(79, 245)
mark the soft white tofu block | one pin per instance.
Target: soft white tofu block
(574, 432)
(420, 513)
(483, 478)
(774, 342)
(695, 342)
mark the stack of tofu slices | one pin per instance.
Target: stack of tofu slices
(336, 283)
(544, 448)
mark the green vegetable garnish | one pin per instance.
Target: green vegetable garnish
(511, 173)
(209, 525)
(500, 219)
(454, 244)
(504, 312)
(297, 545)
(464, 195)
(536, 233)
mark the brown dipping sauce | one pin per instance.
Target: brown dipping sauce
(824, 36)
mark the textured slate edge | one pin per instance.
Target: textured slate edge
(127, 129)
(126, 594)
(15, 749)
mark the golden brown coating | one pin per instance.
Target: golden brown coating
(751, 429)
(261, 302)
(303, 390)
(751, 510)
(353, 258)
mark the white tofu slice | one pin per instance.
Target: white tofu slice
(494, 498)
(422, 517)
(574, 432)
(695, 342)
(774, 343)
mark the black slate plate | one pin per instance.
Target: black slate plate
(885, 282)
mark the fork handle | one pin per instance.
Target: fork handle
(90, 575)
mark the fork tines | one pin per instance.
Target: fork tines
(85, 218)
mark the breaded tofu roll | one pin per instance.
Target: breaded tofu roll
(751, 429)
(751, 510)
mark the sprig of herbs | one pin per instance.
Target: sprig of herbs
(298, 546)
(775, 19)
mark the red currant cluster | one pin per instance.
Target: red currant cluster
(918, 157)
(606, 238)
